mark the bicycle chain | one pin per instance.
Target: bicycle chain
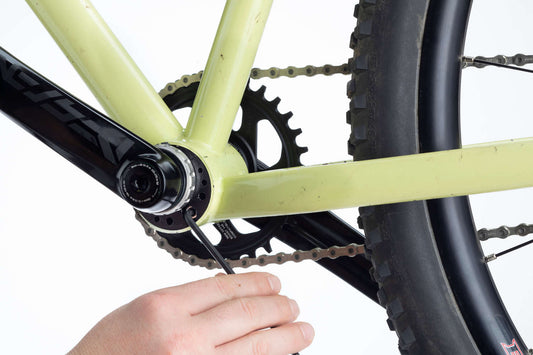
(503, 232)
(256, 73)
(262, 260)
(517, 59)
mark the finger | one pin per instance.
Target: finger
(287, 339)
(238, 317)
(199, 296)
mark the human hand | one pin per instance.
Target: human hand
(226, 314)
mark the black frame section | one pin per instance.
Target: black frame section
(87, 138)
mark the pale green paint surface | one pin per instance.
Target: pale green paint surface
(227, 73)
(107, 69)
(131, 101)
(476, 169)
(228, 163)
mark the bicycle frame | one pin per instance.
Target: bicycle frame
(112, 77)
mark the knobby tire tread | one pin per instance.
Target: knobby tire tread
(406, 264)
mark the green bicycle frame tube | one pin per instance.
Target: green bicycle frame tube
(227, 72)
(475, 169)
(131, 101)
(107, 69)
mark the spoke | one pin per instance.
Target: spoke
(504, 232)
(502, 66)
(497, 255)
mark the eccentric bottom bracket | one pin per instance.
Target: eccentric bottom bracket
(152, 183)
(199, 198)
(141, 183)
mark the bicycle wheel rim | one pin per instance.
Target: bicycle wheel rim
(451, 219)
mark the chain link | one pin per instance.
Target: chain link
(517, 59)
(256, 73)
(262, 260)
(503, 232)
(292, 72)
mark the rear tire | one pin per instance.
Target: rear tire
(405, 65)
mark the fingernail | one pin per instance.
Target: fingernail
(307, 331)
(274, 282)
(294, 308)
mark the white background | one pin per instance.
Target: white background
(71, 252)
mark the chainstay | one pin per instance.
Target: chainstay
(262, 260)
(501, 232)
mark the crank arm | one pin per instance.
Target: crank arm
(136, 171)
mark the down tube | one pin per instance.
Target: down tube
(379, 181)
(107, 69)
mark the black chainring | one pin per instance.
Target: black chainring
(255, 107)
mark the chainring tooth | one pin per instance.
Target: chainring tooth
(235, 245)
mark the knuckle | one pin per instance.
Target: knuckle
(150, 307)
(248, 308)
(265, 283)
(223, 286)
(259, 347)
(286, 307)
(260, 281)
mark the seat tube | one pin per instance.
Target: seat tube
(227, 72)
